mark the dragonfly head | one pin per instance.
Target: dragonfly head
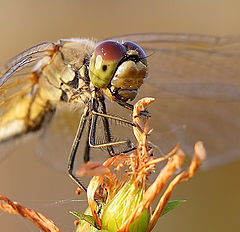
(118, 69)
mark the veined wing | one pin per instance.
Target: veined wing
(17, 82)
(24, 62)
(195, 79)
(26, 59)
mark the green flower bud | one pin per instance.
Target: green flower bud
(120, 208)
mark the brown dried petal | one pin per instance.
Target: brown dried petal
(154, 190)
(199, 156)
(93, 169)
(138, 108)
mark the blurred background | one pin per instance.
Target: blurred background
(212, 196)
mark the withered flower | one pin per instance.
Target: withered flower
(118, 194)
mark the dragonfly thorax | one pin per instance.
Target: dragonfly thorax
(65, 76)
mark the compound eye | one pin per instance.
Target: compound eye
(104, 62)
(133, 46)
(110, 50)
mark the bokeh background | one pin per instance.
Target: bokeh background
(212, 196)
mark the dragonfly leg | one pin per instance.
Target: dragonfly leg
(86, 155)
(116, 118)
(72, 155)
(107, 131)
(130, 107)
(92, 139)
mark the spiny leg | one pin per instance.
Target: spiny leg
(107, 132)
(91, 134)
(129, 106)
(92, 139)
(86, 155)
(72, 155)
(116, 118)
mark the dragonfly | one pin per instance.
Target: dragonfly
(194, 79)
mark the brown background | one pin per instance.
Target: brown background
(212, 196)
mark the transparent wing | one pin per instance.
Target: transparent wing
(193, 65)
(17, 80)
(195, 80)
(25, 59)
(55, 142)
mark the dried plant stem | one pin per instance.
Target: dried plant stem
(38, 219)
